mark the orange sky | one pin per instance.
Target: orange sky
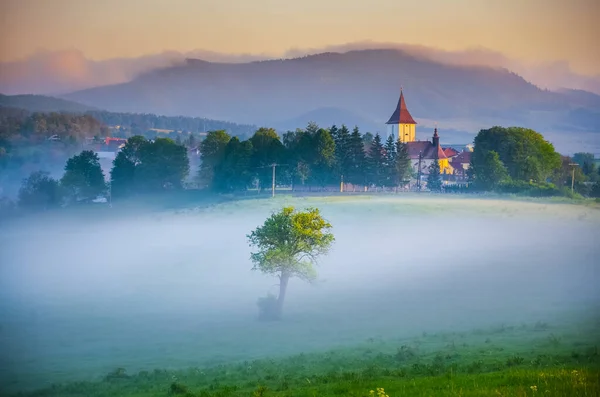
(532, 30)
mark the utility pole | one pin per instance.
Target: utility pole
(573, 177)
(273, 187)
(272, 166)
(419, 172)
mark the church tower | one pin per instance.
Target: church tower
(401, 124)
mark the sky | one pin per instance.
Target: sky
(533, 30)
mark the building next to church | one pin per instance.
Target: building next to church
(402, 125)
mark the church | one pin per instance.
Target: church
(402, 125)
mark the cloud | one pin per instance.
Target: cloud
(69, 70)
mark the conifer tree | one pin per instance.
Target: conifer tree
(434, 179)
(343, 153)
(376, 162)
(391, 179)
(356, 171)
(404, 169)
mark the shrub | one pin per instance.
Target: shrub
(531, 189)
(267, 308)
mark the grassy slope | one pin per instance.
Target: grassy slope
(556, 359)
(500, 361)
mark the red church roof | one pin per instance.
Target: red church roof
(401, 114)
(428, 150)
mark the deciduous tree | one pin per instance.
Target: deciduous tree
(83, 178)
(212, 149)
(489, 173)
(39, 192)
(288, 245)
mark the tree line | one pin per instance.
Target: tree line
(142, 166)
(313, 156)
(145, 124)
(509, 160)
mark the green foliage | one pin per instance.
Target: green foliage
(524, 153)
(376, 165)
(587, 162)
(434, 178)
(391, 177)
(131, 124)
(39, 192)
(489, 173)
(515, 363)
(267, 149)
(123, 172)
(532, 189)
(289, 244)
(233, 172)
(212, 151)
(343, 153)
(22, 126)
(570, 175)
(83, 178)
(357, 172)
(163, 166)
(143, 166)
(311, 155)
(323, 160)
(298, 147)
(595, 190)
(404, 168)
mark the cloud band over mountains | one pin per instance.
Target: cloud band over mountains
(56, 73)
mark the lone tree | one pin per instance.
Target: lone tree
(289, 244)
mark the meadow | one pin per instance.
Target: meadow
(421, 296)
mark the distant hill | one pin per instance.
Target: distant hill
(44, 104)
(20, 107)
(363, 83)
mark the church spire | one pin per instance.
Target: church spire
(401, 115)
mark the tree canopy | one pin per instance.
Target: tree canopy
(39, 192)
(523, 152)
(144, 166)
(83, 178)
(288, 245)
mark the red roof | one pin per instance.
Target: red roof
(462, 158)
(401, 114)
(450, 152)
(428, 150)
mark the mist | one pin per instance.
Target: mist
(80, 296)
(60, 72)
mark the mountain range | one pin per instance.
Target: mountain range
(356, 87)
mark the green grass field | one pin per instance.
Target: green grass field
(520, 360)
(421, 296)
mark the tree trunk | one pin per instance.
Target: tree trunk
(283, 283)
